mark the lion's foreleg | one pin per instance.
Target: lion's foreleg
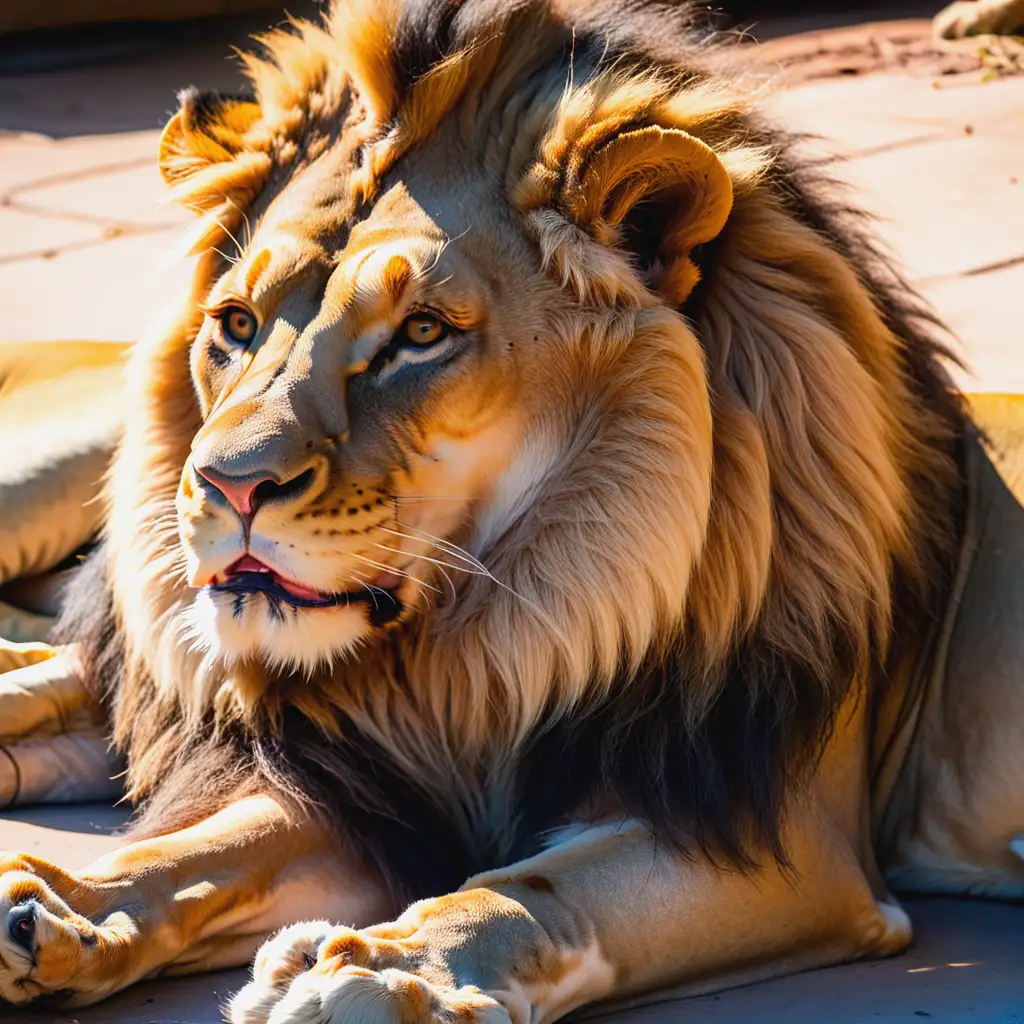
(627, 915)
(607, 913)
(198, 899)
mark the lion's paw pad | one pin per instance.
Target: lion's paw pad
(330, 993)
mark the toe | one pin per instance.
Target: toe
(253, 1004)
(278, 962)
(290, 952)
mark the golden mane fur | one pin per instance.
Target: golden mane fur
(752, 477)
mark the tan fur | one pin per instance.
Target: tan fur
(632, 454)
(49, 482)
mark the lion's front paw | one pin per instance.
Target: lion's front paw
(47, 948)
(309, 974)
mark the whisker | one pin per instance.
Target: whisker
(444, 245)
(223, 255)
(367, 587)
(441, 545)
(238, 245)
(482, 569)
(441, 565)
(209, 213)
(391, 568)
(448, 579)
(446, 546)
(245, 217)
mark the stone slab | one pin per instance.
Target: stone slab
(863, 114)
(87, 196)
(950, 207)
(104, 289)
(941, 165)
(26, 236)
(978, 309)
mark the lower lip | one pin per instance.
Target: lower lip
(298, 590)
(383, 603)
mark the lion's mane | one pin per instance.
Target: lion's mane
(451, 744)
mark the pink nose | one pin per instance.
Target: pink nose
(239, 490)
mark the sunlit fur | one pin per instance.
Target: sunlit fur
(727, 444)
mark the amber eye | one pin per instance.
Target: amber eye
(238, 324)
(422, 330)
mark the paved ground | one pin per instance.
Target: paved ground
(83, 244)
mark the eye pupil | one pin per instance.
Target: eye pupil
(239, 325)
(425, 330)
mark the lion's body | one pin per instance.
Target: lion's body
(951, 821)
(59, 417)
(722, 535)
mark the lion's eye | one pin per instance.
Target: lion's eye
(422, 330)
(238, 324)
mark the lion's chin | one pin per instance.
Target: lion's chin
(280, 636)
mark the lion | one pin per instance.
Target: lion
(544, 559)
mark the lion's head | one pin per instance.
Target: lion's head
(520, 364)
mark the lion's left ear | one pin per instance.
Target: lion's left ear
(654, 192)
(206, 152)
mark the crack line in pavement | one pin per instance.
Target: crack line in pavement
(112, 227)
(52, 252)
(85, 172)
(884, 147)
(55, 213)
(984, 268)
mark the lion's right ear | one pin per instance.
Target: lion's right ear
(209, 152)
(651, 193)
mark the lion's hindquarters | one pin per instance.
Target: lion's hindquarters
(53, 740)
(60, 417)
(964, 836)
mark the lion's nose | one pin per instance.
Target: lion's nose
(247, 493)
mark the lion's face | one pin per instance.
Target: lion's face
(424, 350)
(367, 397)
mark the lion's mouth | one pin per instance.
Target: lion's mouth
(249, 576)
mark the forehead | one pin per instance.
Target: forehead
(434, 210)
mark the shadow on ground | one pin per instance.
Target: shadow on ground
(121, 77)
